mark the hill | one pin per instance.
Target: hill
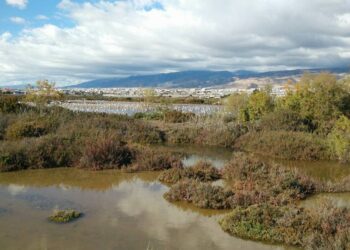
(194, 79)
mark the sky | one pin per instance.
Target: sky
(71, 41)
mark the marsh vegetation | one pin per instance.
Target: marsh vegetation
(310, 123)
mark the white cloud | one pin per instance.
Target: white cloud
(143, 202)
(17, 20)
(21, 4)
(16, 189)
(41, 17)
(122, 38)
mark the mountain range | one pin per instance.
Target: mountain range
(194, 79)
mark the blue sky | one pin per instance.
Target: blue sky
(39, 12)
(70, 41)
(36, 13)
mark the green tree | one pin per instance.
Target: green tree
(237, 104)
(320, 98)
(260, 102)
(44, 93)
(250, 107)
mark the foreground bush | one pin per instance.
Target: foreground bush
(326, 227)
(201, 171)
(202, 195)
(246, 172)
(248, 181)
(10, 104)
(206, 195)
(34, 153)
(14, 156)
(285, 145)
(52, 152)
(106, 153)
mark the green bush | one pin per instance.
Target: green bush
(10, 104)
(285, 145)
(29, 127)
(13, 156)
(339, 139)
(283, 120)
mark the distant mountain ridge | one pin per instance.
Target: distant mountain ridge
(16, 86)
(167, 80)
(192, 79)
(187, 79)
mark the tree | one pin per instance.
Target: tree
(320, 98)
(237, 103)
(339, 139)
(44, 93)
(250, 107)
(260, 102)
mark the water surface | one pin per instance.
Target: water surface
(121, 211)
(125, 211)
(130, 108)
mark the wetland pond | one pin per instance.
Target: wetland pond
(121, 210)
(131, 108)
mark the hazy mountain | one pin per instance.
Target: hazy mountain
(16, 86)
(192, 79)
(186, 79)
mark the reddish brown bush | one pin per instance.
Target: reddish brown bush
(201, 171)
(106, 153)
(152, 160)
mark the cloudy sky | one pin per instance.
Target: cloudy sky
(69, 41)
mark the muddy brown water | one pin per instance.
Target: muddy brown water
(121, 210)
